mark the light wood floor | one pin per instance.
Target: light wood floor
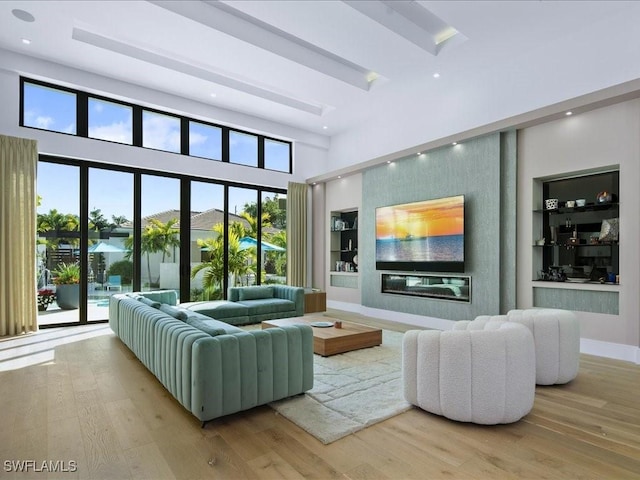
(79, 394)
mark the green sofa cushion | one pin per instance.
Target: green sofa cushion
(175, 312)
(148, 301)
(220, 309)
(268, 305)
(170, 297)
(211, 326)
(254, 293)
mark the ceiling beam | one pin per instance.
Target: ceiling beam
(411, 21)
(231, 21)
(226, 80)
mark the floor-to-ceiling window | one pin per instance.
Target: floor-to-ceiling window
(110, 256)
(242, 265)
(159, 233)
(58, 243)
(274, 237)
(107, 229)
(206, 258)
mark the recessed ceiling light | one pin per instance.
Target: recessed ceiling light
(26, 41)
(23, 15)
(436, 75)
(454, 143)
(324, 127)
(214, 95)
(419, 153)
(339, 176)
(568, 113)
(388, 161)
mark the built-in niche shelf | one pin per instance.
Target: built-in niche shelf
(570, 238)
(343, 251)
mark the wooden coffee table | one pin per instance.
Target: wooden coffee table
(331, 340)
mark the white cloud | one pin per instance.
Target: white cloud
(43, 122)
(161, 132)
(197, 139)
(116, 132)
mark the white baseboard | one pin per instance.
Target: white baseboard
(617, 351)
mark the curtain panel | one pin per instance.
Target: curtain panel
(297, 234)
(18, 163)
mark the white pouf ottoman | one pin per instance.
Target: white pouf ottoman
(481, 376)
(556, 334)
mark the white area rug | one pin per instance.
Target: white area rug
(351, 391)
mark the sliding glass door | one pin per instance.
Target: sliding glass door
(103, 231)
(58, 244)
(109, 230)
(160, 233)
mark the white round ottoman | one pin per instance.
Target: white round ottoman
(481, 376)
(556, 335)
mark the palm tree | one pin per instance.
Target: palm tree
(279, 259)
(118, 221)
(156, 237)
(97, 221)
(63, 224)
(214, 268)
(253, 223)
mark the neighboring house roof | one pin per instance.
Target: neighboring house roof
(199, 220)
(207, 219)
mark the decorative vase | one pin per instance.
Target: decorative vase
(68, 296)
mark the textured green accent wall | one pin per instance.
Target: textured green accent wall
(508, 217)
(483, 170)
(577, 300)
(343, 281)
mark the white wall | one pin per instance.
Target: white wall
(418, 112)
(343, 194)
(596, 139)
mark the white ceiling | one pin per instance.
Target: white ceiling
(307, 63)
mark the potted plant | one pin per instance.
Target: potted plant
(66, 277)
(46, 296)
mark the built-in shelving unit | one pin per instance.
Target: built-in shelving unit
(575, 264)
(343, 252)
(571, 236)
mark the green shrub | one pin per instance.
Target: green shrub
(124, 268)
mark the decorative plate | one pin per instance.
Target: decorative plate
(355, 259)
(321, 324)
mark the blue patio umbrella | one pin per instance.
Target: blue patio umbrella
(102, 247)
(248, 242)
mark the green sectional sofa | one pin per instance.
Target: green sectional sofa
(247, 305)
(211, 367)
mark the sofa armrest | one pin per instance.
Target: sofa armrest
(295, 294)
(231, 373)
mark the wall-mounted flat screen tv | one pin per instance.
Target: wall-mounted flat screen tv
(421, 236)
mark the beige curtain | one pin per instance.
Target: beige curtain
(18, 309)
(297, 234)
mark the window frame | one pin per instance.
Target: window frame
(82, 126)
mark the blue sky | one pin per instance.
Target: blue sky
(55, 110)
(112, 192)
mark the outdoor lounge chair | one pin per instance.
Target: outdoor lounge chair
(115, 282)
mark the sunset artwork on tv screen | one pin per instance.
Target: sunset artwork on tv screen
(421, 236)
